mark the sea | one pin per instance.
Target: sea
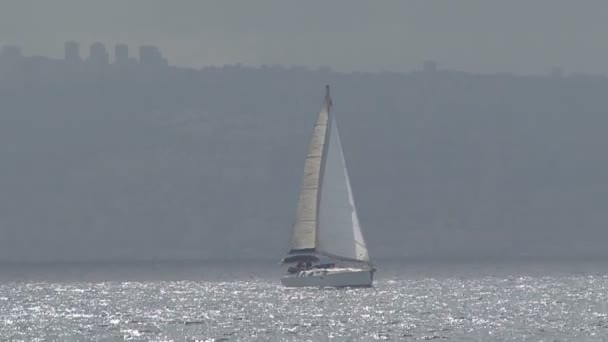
(548, 300)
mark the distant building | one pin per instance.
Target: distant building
(150, 55)
(10, 57)
(557, 72)
(11, 52)
(72, 52)
(98, 54)
(121, 54)
(429, 66)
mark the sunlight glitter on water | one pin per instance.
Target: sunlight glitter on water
(484, 308)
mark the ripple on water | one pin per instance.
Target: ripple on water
(490, 308)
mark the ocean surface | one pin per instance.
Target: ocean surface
(230, 301)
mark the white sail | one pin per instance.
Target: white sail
(338, 230)
(305, 227)
(326, 218)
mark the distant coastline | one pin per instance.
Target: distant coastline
(141, 160)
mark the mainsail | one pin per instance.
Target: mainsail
(326, 218)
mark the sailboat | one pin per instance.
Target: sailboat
(327, 245)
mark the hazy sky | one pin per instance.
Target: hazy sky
(520, 36)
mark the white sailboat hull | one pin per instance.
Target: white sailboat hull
(334, 277)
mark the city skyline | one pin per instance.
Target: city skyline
(119, 53)
(471, 35)
(97, 54)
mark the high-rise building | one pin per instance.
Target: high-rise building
(11, 52)
(72, 52)
(98, 54)
(10, 56)
(557, 72)
(150, 55)
(429, 66)
(121, 54)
